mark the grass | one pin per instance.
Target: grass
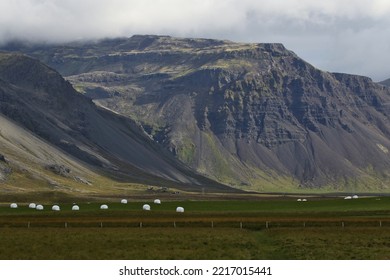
(207, 230)
(287, 207)
(122, 244)
(270, 204)
(157, 243)
(330, 243)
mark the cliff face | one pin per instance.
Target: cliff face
(251, 115)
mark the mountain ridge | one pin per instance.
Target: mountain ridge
(385, 82)
(254, 116)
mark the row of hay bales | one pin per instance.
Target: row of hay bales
(347, 198)
(156, 201)
(145, 207)
(351, 197)
(40, 207)
(31, 206)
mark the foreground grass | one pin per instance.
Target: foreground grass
(332, 244)
(316, 229)
(190, 243)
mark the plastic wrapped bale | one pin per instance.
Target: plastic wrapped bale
(180, 210)
(55, 208)
(157, 201)
(75, 208)
(39, 207)
(146, 207)
(304, 199)
(124, 201)
(104, 206)
(348, 197)
(355, 197)
(32, 205)
(13, 205)
(299, 199)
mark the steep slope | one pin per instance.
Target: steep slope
(38, 99)
(29, 164)
(255, 116)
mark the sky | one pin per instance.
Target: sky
(350, 36)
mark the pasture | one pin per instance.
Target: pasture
(279, 228)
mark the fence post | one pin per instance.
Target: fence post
(212, 224)
(174, 224)
(140, 225)
(266, 224)
(240, 225)
(380, 223)
(66, 225)
(342, 224)
(28, 225)
(304, 224)
(101, 224)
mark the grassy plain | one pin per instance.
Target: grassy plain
(190, 243)
(279, 228)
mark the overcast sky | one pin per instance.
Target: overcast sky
(351, 36)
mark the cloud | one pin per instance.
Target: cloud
(335, 35)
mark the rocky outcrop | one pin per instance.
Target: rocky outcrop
(5, 170)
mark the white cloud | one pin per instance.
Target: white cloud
(335, 35)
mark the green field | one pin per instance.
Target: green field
(269, 228)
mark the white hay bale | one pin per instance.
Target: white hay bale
(55, 208)
(299, 200)
(104, 206)
(13, 205)
(75, 208)
(39, 207)
(124, 201)
(32, 205)
(355, 196)
(304, 199)
(180, 210)
(348, 197)
(157, 201)
(146, 207)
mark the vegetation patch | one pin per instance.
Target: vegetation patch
(186, 151)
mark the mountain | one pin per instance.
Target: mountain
(47, 127)
(386, 82)
(254, 116)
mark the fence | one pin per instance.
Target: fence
(250, 225)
